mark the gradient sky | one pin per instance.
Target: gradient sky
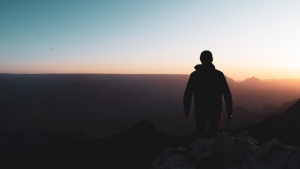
(248, 38)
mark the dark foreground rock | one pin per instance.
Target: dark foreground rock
(226, 151)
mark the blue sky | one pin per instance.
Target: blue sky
(247, 38)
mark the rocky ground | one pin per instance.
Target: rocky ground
(226, 151)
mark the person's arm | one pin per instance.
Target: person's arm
(227, 98)
(189, 90)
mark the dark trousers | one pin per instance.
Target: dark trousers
(207, 123)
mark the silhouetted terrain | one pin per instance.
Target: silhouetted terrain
(133, 148)
(284, 126)
(138, 146)
(87, 119)
(96, 106)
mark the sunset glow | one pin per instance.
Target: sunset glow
(247, 38)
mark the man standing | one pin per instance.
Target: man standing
(207, 85)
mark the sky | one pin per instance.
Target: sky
(247, 38)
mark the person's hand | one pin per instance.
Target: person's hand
(188, 116)
(229, 117)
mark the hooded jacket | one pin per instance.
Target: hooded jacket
(207, 85)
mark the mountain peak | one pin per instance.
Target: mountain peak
(142, 126)
(252, 80)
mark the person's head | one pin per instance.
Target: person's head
(206, 57)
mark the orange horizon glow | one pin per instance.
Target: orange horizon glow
(236, 74)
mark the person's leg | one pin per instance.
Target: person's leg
(201, 123)
(214, 122)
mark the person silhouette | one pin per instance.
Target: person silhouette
(207, 85)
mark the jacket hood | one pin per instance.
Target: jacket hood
(204, 67)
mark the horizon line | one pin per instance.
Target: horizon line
(135, 74)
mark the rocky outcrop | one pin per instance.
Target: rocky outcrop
(226, 151)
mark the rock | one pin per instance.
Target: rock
(175, 158)
(226, 151)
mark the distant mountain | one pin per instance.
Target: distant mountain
(284, 126)
(273, 109)
(254, 94)
(133, 148)
(253, 81)
(241, 117)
